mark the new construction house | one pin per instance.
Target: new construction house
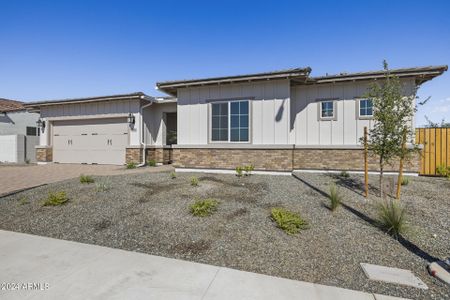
(278, 121)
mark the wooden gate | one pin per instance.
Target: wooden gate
(436, 148)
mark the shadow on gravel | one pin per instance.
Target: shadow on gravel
(353, 184)
(404, 242)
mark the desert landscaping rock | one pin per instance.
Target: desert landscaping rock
(150, 213)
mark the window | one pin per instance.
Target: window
(230, 121)
(365, 108)
(327, 109)
(32, 131)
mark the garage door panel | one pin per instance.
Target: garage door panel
(101, 141)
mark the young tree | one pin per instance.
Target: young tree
(392, 113)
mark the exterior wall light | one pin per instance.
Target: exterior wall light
(131, 120)
(40, 124)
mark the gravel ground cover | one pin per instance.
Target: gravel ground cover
(150, 213)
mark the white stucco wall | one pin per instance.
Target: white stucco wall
(16, 122)
(269, 111)
(12, 148)
(347, 128)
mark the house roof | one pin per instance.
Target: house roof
(170, 87)
(421, 74)
(300, 76)
(37, 104)
(7, 105)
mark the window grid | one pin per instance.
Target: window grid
(365, 108)
(327, 109)
(236, 127)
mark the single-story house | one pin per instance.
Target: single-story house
(279, 121)
(18, 132)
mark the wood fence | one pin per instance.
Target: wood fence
(436, 149)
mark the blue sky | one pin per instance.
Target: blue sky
(63, 49)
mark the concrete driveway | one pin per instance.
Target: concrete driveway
(34, 267)
(16, 178)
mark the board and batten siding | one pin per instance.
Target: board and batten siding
(269, 111)
(99, 109)
(154, 126)
(347, 129)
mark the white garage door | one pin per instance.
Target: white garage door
(93, 141)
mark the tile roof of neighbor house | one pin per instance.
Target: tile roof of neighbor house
(170, 87)
(10, 105)
(137, 95)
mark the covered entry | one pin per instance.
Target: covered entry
(91, 141)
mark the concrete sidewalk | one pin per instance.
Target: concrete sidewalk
(68, 270)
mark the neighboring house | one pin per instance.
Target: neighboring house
(282, 121)
(18, 132)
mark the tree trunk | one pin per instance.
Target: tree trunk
(381, 178)
(400, 171)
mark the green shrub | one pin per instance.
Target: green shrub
(203, 208)
(131, 165)
(173, 175)
(27, 161)
(248, 169)
(405, 180)
(239, 171)
(345, 174)
(335, 198)
(151, 163)
(102, 186)
(194, 181)
(392, 217)
(55, 199)
(24, 200)
(442, 170)
(290, 222)
(86, 179)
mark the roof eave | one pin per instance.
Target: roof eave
(172, 86)
(36, 105)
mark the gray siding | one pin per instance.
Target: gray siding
(154, 127)
(269, 111)
(346, 129)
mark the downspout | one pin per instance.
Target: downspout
(143, 143)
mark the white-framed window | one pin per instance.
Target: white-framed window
(327, 110)
(230, 121)
(365, 108)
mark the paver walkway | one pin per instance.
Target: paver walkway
(68, 270)
(13, 178)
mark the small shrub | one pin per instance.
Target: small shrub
(392, 217)
(194, 181)
(131, 165)
(335, 198)
(290, 222)
(405, 180)
(173, 175)
(86, 179)
(27, 161)
(102, 186)
(239, 171)
(444, 171)
(203, 208)
(55, 199)
(24, 200)
(345, 174)
(248, 170)
(151, 163)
